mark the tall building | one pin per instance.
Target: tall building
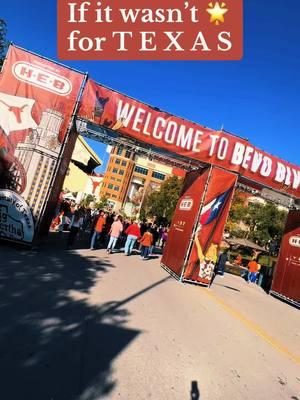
(118, 176)
(38, 155)
(129, 178)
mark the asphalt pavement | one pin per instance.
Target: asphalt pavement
(86, 325)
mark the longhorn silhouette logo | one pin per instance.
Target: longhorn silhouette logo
(16, 110)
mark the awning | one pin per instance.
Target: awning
(245, 243)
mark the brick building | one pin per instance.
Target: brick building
(128, 178)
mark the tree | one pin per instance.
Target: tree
(88, 200)
(161, 204)
(3, 41)
(255, 221)
(102, 203)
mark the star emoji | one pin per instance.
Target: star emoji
(217, 12)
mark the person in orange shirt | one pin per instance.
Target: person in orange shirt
(98, 229)
(238, 260)
(146, 242)
(253, 269)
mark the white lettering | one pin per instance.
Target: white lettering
(138, 119)
(124, 114)
(238, 154)
(247, 157)
(200, 41)
(147, 40)
(197, 141)
(222, 38)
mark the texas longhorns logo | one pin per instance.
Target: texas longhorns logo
(15, 113)
(16, 110)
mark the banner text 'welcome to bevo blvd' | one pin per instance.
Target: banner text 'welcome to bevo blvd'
(106, 107)
(144, 30)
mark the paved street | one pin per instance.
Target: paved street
(86, 325)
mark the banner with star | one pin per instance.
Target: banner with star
(211, 223)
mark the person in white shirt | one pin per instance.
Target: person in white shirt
(75, 225)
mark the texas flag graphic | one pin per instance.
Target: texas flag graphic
(212, 210)
(15, 113)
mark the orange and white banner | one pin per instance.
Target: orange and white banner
(132, 118)
(37, 100)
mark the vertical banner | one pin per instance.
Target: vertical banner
(286, 282)
(183, 221)
(212, 219)
(37, 100)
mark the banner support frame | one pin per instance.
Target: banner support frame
(182, 279)
(60, 156)
(191, 241)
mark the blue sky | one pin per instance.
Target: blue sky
(257, 97)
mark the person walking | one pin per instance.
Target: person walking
(223, 258)
(115, 232)
(133, 234)
(75, 225)
(146, 243)
(164, 237)
(99, 226)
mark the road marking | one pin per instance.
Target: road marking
(252, 326)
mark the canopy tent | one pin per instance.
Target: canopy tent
(69, 196)
(245, 243)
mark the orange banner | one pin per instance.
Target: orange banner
(212, 220)
(132, 118)
(37, 101)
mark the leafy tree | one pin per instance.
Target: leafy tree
(161, 204)
(88, 200)
(102, 203)
(260, 222)
(3, 41)
(236, 213)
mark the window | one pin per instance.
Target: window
(118, 161)
(115, 170)
(117, 188)
(124, 163)
(114, 196)
(110, 186)
(127, 154)
(119, 180)
(119, 151)
(121, 172)
(112, 178)
(158, 175)
(141, 170)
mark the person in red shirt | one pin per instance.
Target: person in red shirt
(133, 234)
(146, 243)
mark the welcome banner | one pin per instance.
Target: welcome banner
(142, 122)
(37, 100)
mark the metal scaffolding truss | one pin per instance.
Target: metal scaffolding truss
(113, 138)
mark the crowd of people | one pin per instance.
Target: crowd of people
(109, 230)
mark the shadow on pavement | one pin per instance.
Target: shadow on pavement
(53, 344)
(227, 287)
